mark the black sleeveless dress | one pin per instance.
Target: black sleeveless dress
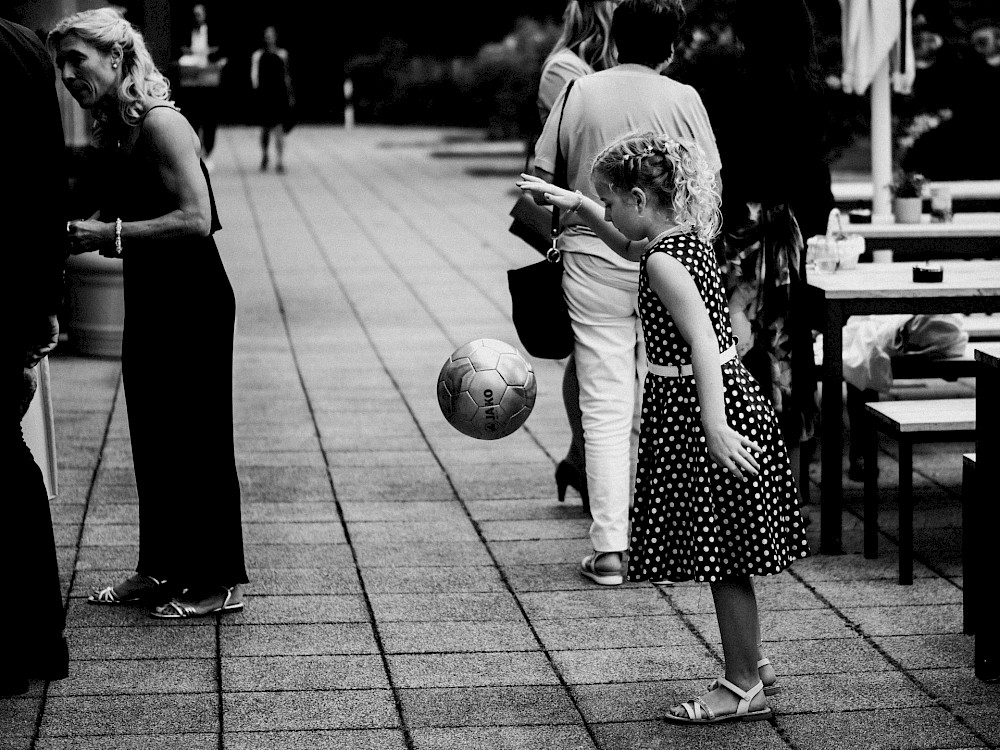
(691, 519)
(177, 365)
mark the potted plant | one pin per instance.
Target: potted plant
(908, 196)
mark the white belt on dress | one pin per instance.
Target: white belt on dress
(683, 371)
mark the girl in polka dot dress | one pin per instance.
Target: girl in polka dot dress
(714, 495)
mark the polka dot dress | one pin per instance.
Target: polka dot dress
(692, 519)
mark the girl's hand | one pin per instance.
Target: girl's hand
(561, 198)
(731, 451)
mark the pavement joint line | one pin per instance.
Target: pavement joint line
(393, 688)
(503, 577)
(894, 663)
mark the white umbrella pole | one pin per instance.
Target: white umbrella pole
(881, 138)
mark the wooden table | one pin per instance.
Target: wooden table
(969, 235)
(877, 289)
(985, 514)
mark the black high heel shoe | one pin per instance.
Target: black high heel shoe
(567, 475)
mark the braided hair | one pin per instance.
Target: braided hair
(675, 170)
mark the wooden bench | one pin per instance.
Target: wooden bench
(908, 422)
(982, 326)
(971, 577)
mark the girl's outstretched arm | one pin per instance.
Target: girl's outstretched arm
(587, 209)
(679, 294)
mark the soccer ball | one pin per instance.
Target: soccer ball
(486, 389)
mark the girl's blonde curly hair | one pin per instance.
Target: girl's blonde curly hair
(142, 83)
(674, 169)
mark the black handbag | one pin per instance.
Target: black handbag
(538, 307)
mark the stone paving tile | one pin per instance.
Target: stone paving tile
(327, 739)
(550, 551)
(310, 710)
(383, 459)
(307, 512)
(443, 512)
(471, 670)
(957, 685)
(20, 714)
(129, 714)
(928, 651)
(317, 672)
(908, 620)
(636, 664)
(82, 614)
(783, 625)
(612, 632)
(289, 458)
(334, 557)
(840, 656)
(887, 592)
(632, 700)
(137, 676)
(285, 484)
(564, 737)
(597, 602)
(551, 577)
(440, 637)
(188, 741)
(658, 735)
(832, 693)
(422, 554)
(294, 581)
(106, 557)
(854, 568)
(297, 639)
(440, 580)
(287, 608)
(928, 727)
(487, 706)
(534, 529)
(984, 720)
(166, 641)
(294, 533)
(472, 606)
(527, 510)
(402, 533)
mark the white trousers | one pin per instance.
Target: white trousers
(602, 297)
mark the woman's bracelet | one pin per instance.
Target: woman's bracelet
(579, 202)
(118, 236)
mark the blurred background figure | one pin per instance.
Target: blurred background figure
(946, 130)
(274, 97)
(583, 47)
(765, 100)
(33, 246)
(201, 74)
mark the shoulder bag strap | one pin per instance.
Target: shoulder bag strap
(559, 177)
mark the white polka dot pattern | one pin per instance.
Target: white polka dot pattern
(691, 519)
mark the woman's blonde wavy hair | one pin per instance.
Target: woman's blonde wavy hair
(586, 32)
(142, 84)
(675, 170)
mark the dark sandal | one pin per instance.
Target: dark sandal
(109, 595)
(182, 609)
(698, 713)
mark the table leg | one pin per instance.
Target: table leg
(831, 481)
(905, 511)
(986, 513)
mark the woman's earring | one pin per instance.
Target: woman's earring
(114, 66)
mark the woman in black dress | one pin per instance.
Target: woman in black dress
(158, 215)
(273, 88)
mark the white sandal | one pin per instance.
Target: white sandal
(699, 713)
(181, 609)
(772, 689)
